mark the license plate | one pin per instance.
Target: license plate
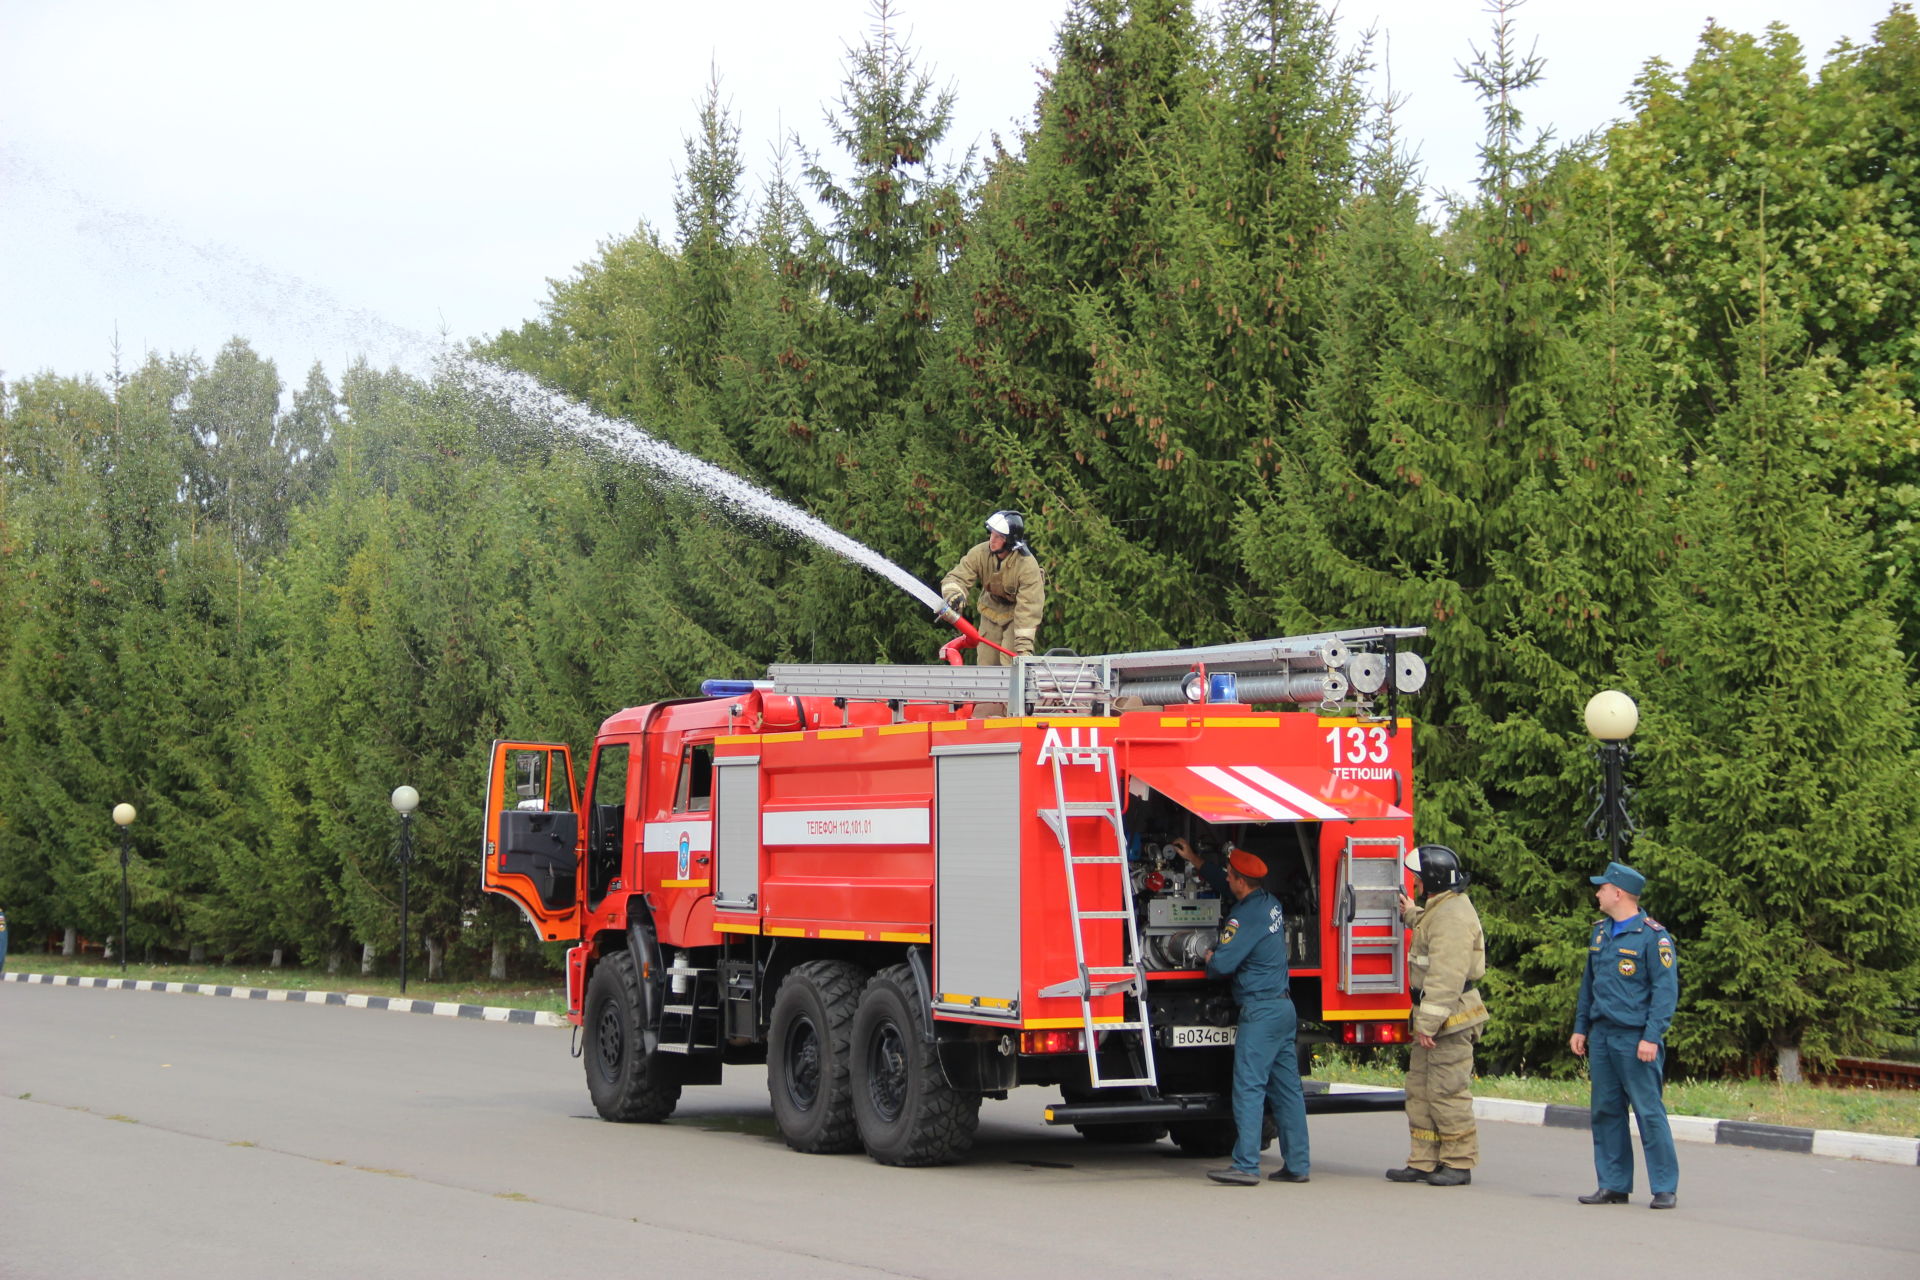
(1195, 1037)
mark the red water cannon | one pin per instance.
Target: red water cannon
(970, 635)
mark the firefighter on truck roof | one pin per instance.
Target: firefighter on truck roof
(1013, 590)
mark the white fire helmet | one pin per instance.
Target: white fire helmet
(1438, 867)
(1008, 523)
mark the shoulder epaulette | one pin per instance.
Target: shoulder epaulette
(1655, 924)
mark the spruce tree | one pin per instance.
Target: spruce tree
(1482, 454)
(1778, 751)
(1062, 231)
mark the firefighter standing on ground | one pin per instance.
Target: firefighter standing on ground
(1253, 949)
(1449, 956)
(1627, 997)
(1013, 591)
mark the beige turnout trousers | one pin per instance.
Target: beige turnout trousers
(1440, 1104)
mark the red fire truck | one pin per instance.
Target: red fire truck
(905, 889)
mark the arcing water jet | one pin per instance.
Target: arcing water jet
(524, 398)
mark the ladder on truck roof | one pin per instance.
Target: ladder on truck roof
(1095, 981)
(1319, 669)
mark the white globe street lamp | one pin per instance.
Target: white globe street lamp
(405, 800)
(123, 816)
(1611, 718)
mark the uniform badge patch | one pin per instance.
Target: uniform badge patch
(1666, 957)
(1226, 934)
(1627, 966)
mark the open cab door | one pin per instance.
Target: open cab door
(532, 847)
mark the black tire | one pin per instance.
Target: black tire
(906, 1111)
(1215, 1137)
(1203, 1137)
(628, 1082)
(1130, 1132)
(808, 1062)
(1120, 1134)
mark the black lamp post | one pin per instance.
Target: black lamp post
(123, 816)
(405, 801)
(1611, 718)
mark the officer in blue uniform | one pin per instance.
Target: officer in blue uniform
(1627, 998)
(1253, 951)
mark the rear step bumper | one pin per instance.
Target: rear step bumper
(1322, 1099)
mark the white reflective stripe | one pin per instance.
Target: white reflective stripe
(1290, 793)
(1432, 1009)
(1252, 796)
(664, 837)
(846, 826)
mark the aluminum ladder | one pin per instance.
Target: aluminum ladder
(1094, 981)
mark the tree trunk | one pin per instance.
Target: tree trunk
(1786, 1063)
(335, 959)
(366, 961)
(70, 942)
(277, 954)
(197, 953)
(498, 969)
(436, 960)
(106, 950)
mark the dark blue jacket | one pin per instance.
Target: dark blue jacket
(1253, 948)
(1632, 978)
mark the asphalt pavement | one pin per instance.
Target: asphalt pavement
(162, 1135)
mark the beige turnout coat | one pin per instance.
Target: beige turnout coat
(1449, 952)
(1013, 591)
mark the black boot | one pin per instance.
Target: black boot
(1408, 1174)
(1662, 1200)
(1604, 1196)
(1447, 1176)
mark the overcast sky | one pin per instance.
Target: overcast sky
(356, 177)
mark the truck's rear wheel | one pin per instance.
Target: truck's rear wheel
(907, 1112)
(808, 1067)
(1133, 1131)
(627, 1082)
(1128, 1131)
(1203, 1137)
(1215, 1137)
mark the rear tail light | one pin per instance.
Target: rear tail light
(1374, 1033)
(1052, 1042)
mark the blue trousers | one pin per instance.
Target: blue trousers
(1266, 1074)
(1620, 1079)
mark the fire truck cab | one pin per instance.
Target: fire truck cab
(902, 907)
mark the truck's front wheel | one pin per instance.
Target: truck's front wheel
(627, 1082)
(807, 1057)
(907, 1112)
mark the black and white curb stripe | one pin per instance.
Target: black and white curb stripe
(393, 1004)
(1726, 1133)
